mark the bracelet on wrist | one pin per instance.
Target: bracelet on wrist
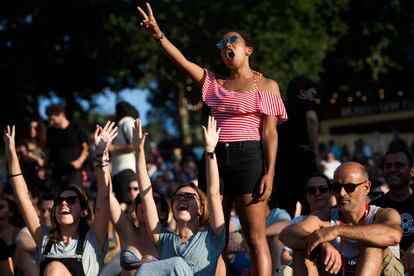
(14, 175)
(159, 39)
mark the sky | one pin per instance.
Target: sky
(106, 102)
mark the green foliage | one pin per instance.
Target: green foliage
(92, 46)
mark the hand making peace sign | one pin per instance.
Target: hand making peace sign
(149, 22)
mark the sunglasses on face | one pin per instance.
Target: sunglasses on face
(133, 189)
(397, 165)
(348, 187)
(322, 190)
(186, 196)
(69, 199)
(222, 43)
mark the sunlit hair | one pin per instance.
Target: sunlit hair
(84, 222)
(165, 207)
(203, 217)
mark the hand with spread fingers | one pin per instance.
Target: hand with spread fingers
(103, 136)
(211, 134)
(138, 139)
(149, 23)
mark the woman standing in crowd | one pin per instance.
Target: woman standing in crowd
(76, 243)
(247, 107)
(32, 156)
(197, 241)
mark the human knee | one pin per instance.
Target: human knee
(256, 240)
(56, 268)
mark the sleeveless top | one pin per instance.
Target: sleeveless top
(240, 114)
(349, 249)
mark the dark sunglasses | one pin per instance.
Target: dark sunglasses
(186, 196)
(322, 189)
(348, 187)
(133, 189)
(222, 43)
(69, 200)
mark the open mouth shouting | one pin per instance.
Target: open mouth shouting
(230, 54)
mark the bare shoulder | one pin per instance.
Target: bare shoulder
(386, 215)
(268, 85)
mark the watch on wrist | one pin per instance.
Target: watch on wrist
(210, 154)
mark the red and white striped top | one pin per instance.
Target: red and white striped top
(240, 114)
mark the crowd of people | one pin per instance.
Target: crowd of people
(265, 197)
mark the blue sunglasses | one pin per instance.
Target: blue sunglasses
(222, 43)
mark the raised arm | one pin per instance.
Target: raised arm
(102, 139)
(150, 209)
(211, 135)
(19, 186)
(149, 23)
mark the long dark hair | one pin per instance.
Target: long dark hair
(124, 109)
(85, 223)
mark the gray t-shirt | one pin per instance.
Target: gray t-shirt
(197, 256)
(92, 257)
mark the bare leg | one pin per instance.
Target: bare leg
(276, 248)
(252, 218)
(370, 260)
(56, 268)
(221, 264)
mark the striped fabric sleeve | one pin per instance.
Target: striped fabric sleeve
(272, 104)
(207, 87)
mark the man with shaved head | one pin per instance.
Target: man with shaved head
(353, 238)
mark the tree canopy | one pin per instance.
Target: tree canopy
(83, 47)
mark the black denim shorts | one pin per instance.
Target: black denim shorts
(241, 167)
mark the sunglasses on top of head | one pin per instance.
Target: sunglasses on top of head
(348, 187)
(69, 199)
(223, 42)
(322, 189)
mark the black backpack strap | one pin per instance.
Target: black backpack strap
(81, 242)
(47, 247)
